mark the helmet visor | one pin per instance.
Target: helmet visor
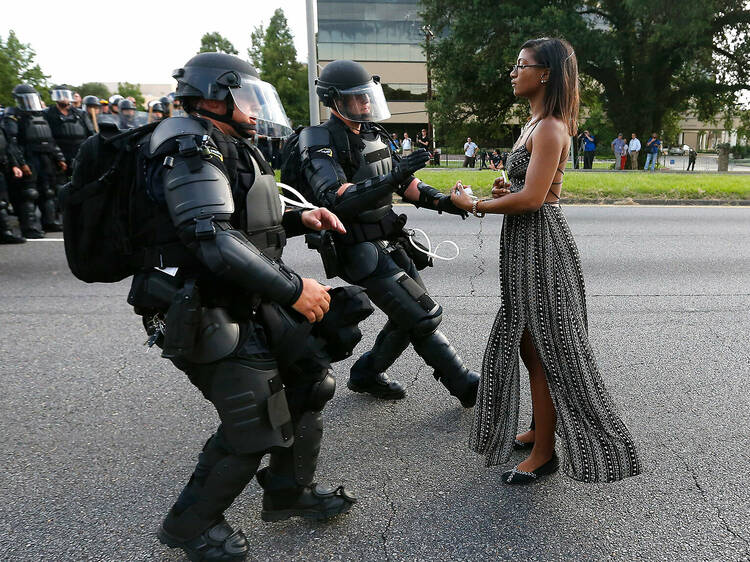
(62, 95)
(29, 102)
(260, 100)
(363, 103)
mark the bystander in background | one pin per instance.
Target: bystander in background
(470, 153)
(634, 147)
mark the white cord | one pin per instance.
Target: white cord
(411, 232)
(300, 202)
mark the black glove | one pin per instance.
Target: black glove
(405, 167)
(446, 205)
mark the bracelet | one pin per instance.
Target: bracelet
(474, 210)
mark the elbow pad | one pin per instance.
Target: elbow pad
(232, 257)
(364, 196)
(322, 171)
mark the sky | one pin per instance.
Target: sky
(138, 45)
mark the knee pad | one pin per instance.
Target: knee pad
(29, 194)
(49, 192)
(405, 301)
(428, 324)
(321, 392)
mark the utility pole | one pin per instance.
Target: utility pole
(312, 64)
(428, 35)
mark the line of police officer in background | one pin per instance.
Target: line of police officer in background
(38, 145)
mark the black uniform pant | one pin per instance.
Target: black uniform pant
(230, 458)
(588, 159)
(40, 188)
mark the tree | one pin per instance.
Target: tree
(648, 58)
(126, 89)
(216, 43)
(273, 53)
(17, 66)
(94, 89)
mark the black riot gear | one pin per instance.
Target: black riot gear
(374, 253)
(223, 77)
(216, 198)
(7, 161)
(31, 141)
(91, 101)
(127, 114)
(70, 126)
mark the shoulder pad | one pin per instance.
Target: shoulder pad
(174, 127)
(108, 129)
(315, 136)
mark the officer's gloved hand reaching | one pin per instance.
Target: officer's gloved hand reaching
(408, 165)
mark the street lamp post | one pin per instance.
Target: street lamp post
(428, 35)
(312, 65)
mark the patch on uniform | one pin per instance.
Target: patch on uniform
(327, 151)
(215, 152)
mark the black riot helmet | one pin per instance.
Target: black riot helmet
(27, 98)
(347, 87)
(125, 104)
(157, 107)
(219, 76)
(92, 101)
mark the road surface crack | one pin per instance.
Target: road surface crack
(707, 501)
(386, 532)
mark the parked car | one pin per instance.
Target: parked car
(678, 150)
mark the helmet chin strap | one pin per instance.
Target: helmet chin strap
(245, 130)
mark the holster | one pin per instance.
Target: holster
(323, 242)
(420, 259)
(182, 322)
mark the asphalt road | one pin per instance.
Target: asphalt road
(98, 436)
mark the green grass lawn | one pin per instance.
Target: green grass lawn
(592, 185)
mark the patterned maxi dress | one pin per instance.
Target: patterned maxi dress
(542, 290)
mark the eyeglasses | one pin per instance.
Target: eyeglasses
(518, 66)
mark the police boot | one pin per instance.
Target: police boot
(7, 236)
(287, 482)
(50, 219)
(27, 219)
(449, 368)
(368, 373)
(195, 523)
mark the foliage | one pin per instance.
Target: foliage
(274, 55)
(17, 66)
(94, 89)
(126, 89)
(649, 59)
(216, 43)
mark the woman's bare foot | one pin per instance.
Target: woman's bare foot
(527, 437)
(535, 460)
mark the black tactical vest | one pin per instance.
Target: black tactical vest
(35, 133)
(67, 129)
(374, 160)
(262, 206)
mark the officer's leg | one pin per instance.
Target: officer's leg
(288, 481)
(24, 195)
(368, 372)
(7, 236)
(47, 186)
(250, 401)
(403, 297)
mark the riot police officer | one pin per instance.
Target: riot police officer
(8, 165)
(127, 114)
(351, 170)
(221, 208)
(157, 111)
(30, 137)
(70, 126)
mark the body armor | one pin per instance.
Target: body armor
(36, 133)
(374, 160)
(264, 214)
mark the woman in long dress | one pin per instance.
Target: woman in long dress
(543, 310)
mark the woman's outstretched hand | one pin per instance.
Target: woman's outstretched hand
(500, 187)
(459, 197)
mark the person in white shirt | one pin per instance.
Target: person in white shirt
(634, 147)
(470, 153)
(406, 145)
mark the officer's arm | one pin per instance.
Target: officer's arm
(326, 177)
(420, 194)
(199, 199)
(15, 152)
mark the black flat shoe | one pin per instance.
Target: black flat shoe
(219, 543)
(522, 445)
(379, 385)
(515, 476)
